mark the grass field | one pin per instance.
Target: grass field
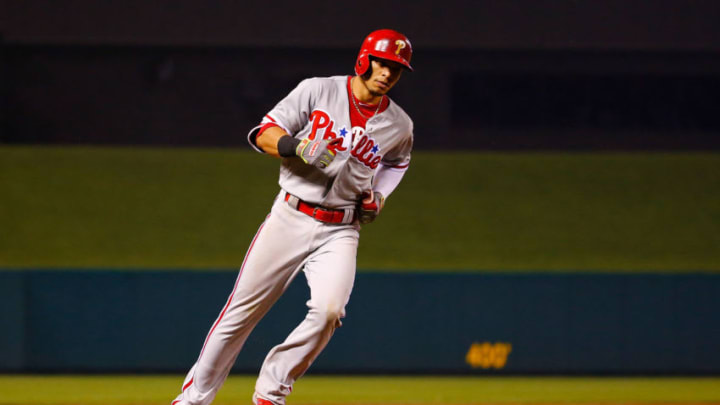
(152, 390)
(80, 207)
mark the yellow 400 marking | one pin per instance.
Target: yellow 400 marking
(488, 355)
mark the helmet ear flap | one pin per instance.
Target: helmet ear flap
(363, 64)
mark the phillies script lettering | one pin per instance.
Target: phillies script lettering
(365, 150)
(321, 120)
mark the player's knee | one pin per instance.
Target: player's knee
(330, 315)
(333, 316)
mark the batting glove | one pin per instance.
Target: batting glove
(370, 206)
(319, 152)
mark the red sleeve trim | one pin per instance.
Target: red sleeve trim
(264, 127)
(402, 166)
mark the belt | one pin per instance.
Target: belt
(322, 214)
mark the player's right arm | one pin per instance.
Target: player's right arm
(268, 140)
(290, 115)
(275, 141)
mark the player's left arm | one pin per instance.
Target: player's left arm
(386, 179)
(388, 176)
(393, 166)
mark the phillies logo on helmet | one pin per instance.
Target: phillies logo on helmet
(384, 44)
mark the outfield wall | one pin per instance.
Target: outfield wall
(156, 321)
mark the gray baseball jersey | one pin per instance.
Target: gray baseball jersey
(319, 107)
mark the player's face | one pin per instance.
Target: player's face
(385, 74)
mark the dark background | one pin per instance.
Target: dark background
(488, 74)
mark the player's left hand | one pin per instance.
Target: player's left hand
(370, 206)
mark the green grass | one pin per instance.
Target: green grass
(81, 207)
(151, 390)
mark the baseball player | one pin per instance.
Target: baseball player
(345, 146)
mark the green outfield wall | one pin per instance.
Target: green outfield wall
(89, 207)
(156, 321)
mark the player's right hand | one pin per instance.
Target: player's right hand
(319, 152)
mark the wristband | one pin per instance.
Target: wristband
(286, 146)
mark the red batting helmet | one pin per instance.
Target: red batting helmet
(384, 44)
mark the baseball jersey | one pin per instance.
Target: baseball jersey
(320, 108)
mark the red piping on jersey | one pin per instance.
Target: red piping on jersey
(264, 127)
(192, 379)
(189, 383)
(234, 288)
(400, 166)
(270, 118)
(227, 304)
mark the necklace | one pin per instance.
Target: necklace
(352, 96)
